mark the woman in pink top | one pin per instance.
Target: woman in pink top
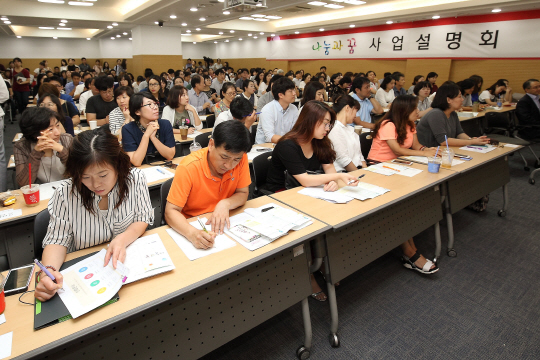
(396, 136)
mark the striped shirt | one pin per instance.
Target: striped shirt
(116, 120)
(72, 226)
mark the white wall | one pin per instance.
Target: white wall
(119, 48)
(48, 48)
(198, 50)
(155, 40)
(247, 48)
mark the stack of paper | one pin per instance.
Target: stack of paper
(330, 196)
(256, 151)
(157, 173)
(257, 227)
(483, 149)
(423, 160)
(10, 213)
(363, 191)
(392, 168)
(194, 135)
(146, 257)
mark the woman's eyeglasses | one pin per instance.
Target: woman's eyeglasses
(152, 105)
(153, 85)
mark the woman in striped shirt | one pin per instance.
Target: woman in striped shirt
(106, 199)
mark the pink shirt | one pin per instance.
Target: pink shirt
(380, 151)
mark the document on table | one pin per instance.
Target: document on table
(221, 242)
(88, 284)
(146, 257)
(254, 152)
(46, 191)
(156, 173)
(397, 169)
(511, 145)
(479, 149)
(10, 213)
(363, 191)
(379, 170)
(2, 319)
(194, 135)
(6, 342)
(423, 160)
(330, 196)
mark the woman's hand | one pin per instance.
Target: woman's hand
(125, 111)
(482, 140)
(116, 251)
(348, 179)
(151, 129)
(191, 130)
(430, 152)
(46, 288)
(190, 107)
(331, 186)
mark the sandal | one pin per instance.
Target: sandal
(409, 263)
(314, 295)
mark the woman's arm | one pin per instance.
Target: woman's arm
(117, 249)
(308, 180)
(165, 151)
(22, 159)
(424, 112)
(137, 156)
(401, 151)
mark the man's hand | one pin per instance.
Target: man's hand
(220, 217)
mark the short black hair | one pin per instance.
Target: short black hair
(74, 73)
(123, 90)
(280, 86)
(446, 90)
(241, 107)
(88, 82)
(170, 71)
(527, 84)
(34, 120)
(233, 135)
(387, 80)
(219, 71)
(83, 58)
(310, 91)
(140, 78)
(196, 79)
(103, 83)
(420, 85)
(322, 67)
(397, 75)
(245, 84)
(58, 79)
(345, 80)
(371, 71)
(289, 73)
(358, 83)
(465, 84)
(136, 102)
(431, 75)
(148, 72)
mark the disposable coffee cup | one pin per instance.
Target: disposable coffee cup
(434, 164)
(183, 133)
(31, 194)
(93, 124)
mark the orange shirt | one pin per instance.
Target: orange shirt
(380, 151)
(196, 191)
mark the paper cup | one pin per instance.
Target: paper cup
(31, 194)
(93, 124)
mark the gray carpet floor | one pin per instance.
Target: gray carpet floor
(483, 304)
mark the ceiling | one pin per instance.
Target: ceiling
(26, 16)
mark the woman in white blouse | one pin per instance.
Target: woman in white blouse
(492, 93)
(105, 200)
(180, 112)
(345, 141)
(120, 116)
(385, 94)
(263, 85)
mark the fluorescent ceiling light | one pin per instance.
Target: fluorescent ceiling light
(18, 37)
(240, 39)
(155, 22)
(351, 26)
(46, 28)
(227, 40)
(245, 18)
(215, 42)
(255, 37)
(87, 38)
(435, 17)
(273, 17)
(198, 29)
(118, 35)
(186, 34)
(389, 22)
(110, 26)
(354, 2)
(273, 35)
(250, 34)
(114, 24)
(130, 38)
(62, 24)
(54, 37)
(261, 33)
(221, 33)
(112, 38)
(321, 29)
(226, 13)
(259, 4)
(333, 6)
(193, 9)
(496, 10)
(184, 24)
(232, 31)
(80, 3)
(63, 21)
(202, 19)
(173, 16)
(188, 31)
(3, 18)
(194, 42)
(316, 3)
(125, 33)
(63, 28)
(52, 1)
(297, 32)
(7, 22)
(257, 15)
(258, 19)
(221, 0)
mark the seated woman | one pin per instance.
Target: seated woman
(147, 135)
(345, 141)
(467, 87)
(385, 94)
(120, 115)
(178, 81)
(106, 199)
(342, 88)
(228, 92)
(164, 88)
(179, 112)
(68, 108)
(492, 93)
(395, 136)
(304, 149)
(417, 79)
(53, 103)
(213, 96)
(478, 83)
(443, 120)
(125, 80)
(154, 87)
(313, 91)
(422, 90)
(42, 145)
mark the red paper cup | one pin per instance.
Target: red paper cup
(31, 194)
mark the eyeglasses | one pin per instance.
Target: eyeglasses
(49, 105)
(153, 85)
(152, 105)
(230, 93)
(327, 125)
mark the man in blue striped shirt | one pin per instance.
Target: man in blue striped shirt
(361, 92)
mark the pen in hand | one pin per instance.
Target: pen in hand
(47, 272)
(351, 181)
(202, 225)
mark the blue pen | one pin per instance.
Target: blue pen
(472, 147)
(44, 269)
(161, 171)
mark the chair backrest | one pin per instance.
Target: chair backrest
(253, 133)
(163, 193)
(365, 143)
(494, 122)
(261, 164)
(41, 222)
(203, 139)
(210, 120)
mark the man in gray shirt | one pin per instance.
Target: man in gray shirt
(218, 82)
(268, 97)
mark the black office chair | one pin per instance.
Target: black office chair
(41, 222)
(210, 121)
(163, 193)
(365, 145)
(253, 133)
(261, 164)
(521, 129)
(203, 139)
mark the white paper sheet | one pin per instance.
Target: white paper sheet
(146, 257)
(423, 160)
(403, 170)
(6, 342)
(363, 191)
(157, 173)
(478, 149)
(221, 242)
(46, 191)
(511, 145)
(10, 213)
(194, 135)
(254, 152)
(88, 284)
(2, 319)
(330, 196)
(380, 170)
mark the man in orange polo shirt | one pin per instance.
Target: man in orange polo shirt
(214, 179)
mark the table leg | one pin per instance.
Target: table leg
(502, 213)
(437, 228)
(332, 302)
(450, 248)
(303, 351)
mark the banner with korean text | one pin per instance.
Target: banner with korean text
(501, 39)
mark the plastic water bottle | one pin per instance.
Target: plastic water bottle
(499, 101)
(195, 146)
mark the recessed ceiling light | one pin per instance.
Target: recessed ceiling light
(389, 22)
(46, 28)
(240, 39)
(80, 3)
(114, 24)
(130, 38)
(3, 18)
(202, 19)
(435, 17)
(52, 1)
(112, 38)
(63, 21)
(250, 34)
(125, 33)
(354, 2)
(255, 37)
(351, 26)
(173, 16)
(109, 27)
(88, 39)
(118, 35)
(226, 13)
(194, 42)
(184, 24)
(7, 22)
(62, 24)
(193, 9)
(321, 29)
(227, 40)
(64, 28)
(496, 10)
(232, 31)
(273, 17)
(245, 18)
(297, 32)
(259, 19)
(273, 35)
(155, 22)
(261, 33)
(18, 37)
(188, 31)
(259, 4)
(334, 6)
(54, 37)
(221, 0)
(215, 42)
(198, 29)
(316, 3)
(257, 15)
(221, 33)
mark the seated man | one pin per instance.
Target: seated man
(279, 116)
(98, 107)
(361, 92)
(71, 86)
(242, 110)
(528, 109)
(214, 179)
(89, 84)
(197, 98)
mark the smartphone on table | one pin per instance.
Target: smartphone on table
(18, 280)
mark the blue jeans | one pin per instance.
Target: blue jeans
(21, 97)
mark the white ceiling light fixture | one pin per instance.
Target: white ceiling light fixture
(80, 3)
(3, 18)
(114, 24)
(112, 38)
(273, 35)
(193, 9)
(63, 21)
(88, 39)
(220, 33)
(321, 29)
(259, 19)
(496, 10)
(52, 1)
(62, 24)
(215, 42)
(255, 37)
(334, 6)
(18, 36)
(232, 31)
(64, 28)
(202, 19)
(240, 39)
(261, 33)
(124, 33)
(188, 31)
(272, 17)
(221, 1)
(259, 4)
(198, 29)
(184, 24)
(257, 15)
(227, 40)
(297, 32)
(250, 34)
(389, 22)
(245, 18)
(7, 22)
(155, 22)
(55, 37)
(173, 16)
(226, 13)
(435, 17)
(118, 35)
(130, 38)
(186, 34)
(109, 27)
(354, 2)
(351, 26)
(316, 3)
(194, 42)
(46, 28)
